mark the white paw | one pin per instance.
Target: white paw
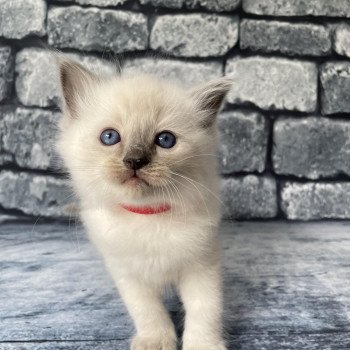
(193, 345)
(153, 343)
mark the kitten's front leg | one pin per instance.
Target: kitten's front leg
(155, 330)
(201, 292)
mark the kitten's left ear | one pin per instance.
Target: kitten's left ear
(209, 97)
(76, 80)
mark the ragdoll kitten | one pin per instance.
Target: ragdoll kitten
(141, 154)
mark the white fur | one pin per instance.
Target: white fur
(146, 253)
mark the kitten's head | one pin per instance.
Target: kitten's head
(132, 138)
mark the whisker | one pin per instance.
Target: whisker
(196, 155)
(182, 203)
(200, 195)
(206, 188)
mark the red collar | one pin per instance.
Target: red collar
(147, 209)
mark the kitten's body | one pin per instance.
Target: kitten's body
(145, 253)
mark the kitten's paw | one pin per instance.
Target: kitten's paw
(153, 343)
(204, 346)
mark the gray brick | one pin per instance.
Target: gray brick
(284, 37)
(243, 139)
(20, 18)
(335, 80)
(342, 40)
(6, 71)
(10, 218)
(183, 73)
(312, 201)
(100, 3)
(173, 4)
(27, 137)
(249, 197)
(212, 5)
(273, 83)
(37, 80)
(36, 83)
(194, 34)
(4, 157)
(331, 8)
(311, 147)
(35, 194)
(92, 29)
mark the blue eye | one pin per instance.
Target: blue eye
(110, 137)
(165, 139)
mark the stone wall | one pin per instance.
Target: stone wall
(285, 149)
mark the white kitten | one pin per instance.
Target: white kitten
(141, 154)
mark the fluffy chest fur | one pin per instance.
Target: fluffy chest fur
(153, 247)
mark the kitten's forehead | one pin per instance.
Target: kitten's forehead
(145, 98)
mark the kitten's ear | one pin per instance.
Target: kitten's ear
(75, 83)
(209, 97)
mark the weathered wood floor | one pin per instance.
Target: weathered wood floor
(287, 287)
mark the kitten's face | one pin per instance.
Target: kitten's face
(134, 138)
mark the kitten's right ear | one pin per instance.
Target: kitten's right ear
(76, 81)
(209, 98)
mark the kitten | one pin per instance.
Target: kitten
(141, 154)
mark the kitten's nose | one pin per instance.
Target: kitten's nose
(136, 163)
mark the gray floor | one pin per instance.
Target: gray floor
(287, 287)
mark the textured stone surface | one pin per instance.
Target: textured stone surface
(4, 111)
(301, 43)
(92, 29)
(34, 194)
(273, 83)
(15, 219)
(312, 147)
(312, 201)
(37, 80)
(335, 80)
(285, 289)
(174, 4)
(249, 197)
(333, 8)
(194, 34)
(36, 83)
(214, 5)
(184, 73)
(211, 5)
(100, 3)
(342, 40)
(20, 18)
(6, 71)
(243, 141)
(27, 137)
(284, 37)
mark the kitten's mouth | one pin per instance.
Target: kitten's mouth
(135, 180)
